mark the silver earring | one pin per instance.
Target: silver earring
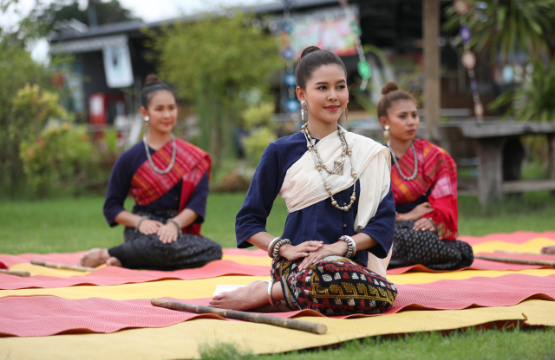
(386, 132)
(147, 118)
(304, 111)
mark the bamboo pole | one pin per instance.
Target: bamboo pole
(53, 265)
(520, 253)
(516, 260)
(245, 316)
(15, 273)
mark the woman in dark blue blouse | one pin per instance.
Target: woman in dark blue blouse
(168, 179)
(336, 243)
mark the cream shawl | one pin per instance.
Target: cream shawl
(303, 186)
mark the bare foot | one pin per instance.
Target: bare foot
(94, 257)
(247, 297)
(113, 261)
(548, 250)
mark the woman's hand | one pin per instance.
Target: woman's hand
(424, 224)
(415, 213)
(168, 233)
(149, 227)
(292, 252)
(338, 249)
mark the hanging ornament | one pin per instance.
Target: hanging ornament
(473, 85)
(288, 53)
(293, 105)
(355, 28)
(287, 27)
(479, 109)
(364, 69)
(461, 6)
(287, 4)
(508, 74)
(468, 59)
(290, 79)
(465, 34)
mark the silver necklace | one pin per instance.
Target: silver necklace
(172, 162)
(338, 166)
(415, 172)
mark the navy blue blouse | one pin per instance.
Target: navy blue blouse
(120, 184)
(321, 221)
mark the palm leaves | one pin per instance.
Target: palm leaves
(508, 26)
(535, 101)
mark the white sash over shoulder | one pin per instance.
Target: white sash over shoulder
(303, 186)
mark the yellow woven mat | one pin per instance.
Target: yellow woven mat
(183, 340)
(533, 246)
(192, 289)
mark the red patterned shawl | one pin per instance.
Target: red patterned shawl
(191, 163)
(436, 170)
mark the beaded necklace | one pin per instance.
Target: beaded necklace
(172, 162)
(415, 172)
(338, 165)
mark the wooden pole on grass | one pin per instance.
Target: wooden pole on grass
(15, 273)
(245, 316)
(52, 265)
(516, 260)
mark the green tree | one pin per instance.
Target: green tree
(212, 63)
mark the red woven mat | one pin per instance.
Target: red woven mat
(49, 315)
(112, 275)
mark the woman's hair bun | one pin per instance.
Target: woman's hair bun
(152, 80)
(389, 87)
(309, 50)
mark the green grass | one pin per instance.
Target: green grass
(515, 344)
(74, 224)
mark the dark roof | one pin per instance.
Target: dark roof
(136, 26)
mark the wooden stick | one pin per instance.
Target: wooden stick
(15, 272)
(516, 260)
(246, 316)
(520, 253)
(52, 265)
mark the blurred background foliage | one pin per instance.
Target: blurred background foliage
(213, 63)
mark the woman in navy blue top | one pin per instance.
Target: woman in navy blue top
(336, 243)
(168, 179)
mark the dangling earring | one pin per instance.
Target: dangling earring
(304, 111)
(345, 114)
(147, 118)
(386, 132)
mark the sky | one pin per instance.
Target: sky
(148, 10)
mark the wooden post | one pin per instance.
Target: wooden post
(490, 170)
(551, 141)
(432, 63)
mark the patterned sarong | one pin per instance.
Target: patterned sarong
(333, 286)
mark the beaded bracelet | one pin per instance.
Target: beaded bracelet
(351, 246)
(176, 224)
(278, 246)
(271, 246)
(139, 223)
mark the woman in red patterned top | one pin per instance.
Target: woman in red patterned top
(424, 184)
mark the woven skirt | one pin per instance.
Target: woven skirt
(412, 247)
(147, 251)
(333, 286)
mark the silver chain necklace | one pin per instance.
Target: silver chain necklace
(415, 172)
(172, 162)
(338, 166)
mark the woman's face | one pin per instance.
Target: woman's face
(162, 111)
(402, 119)
(326, 94)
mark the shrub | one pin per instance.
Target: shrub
(256, 143)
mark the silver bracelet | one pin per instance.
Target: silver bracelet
(351, 246)
(279, 244)
(271, 246)
(139, 223)
(176, 224)
(270, 298)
